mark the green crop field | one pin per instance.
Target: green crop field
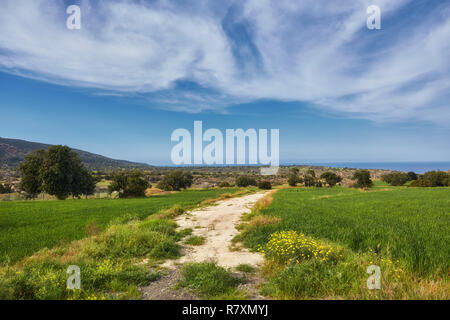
(408, 224)
(28, 226)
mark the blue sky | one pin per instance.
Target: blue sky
(137, 70)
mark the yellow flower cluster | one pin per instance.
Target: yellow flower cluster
(108, 267)
(291, 247)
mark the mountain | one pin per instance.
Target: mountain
(13, 151)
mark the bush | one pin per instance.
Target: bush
(175, 181)
(208, 279)
(362, 178)
(412, 176)
(224, 184)
(432, 179)
(309, 180)
(395, 178)
(437, 178)
(331, 178)
(5, 188)
(265, 185)
(292, 180)
(244, 181)
(129, 184)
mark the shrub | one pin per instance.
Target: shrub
(5, 188)
(362, 178)
(244, 181)
(412, 176)
(208, 279)
(292, 180)
(395, 178)
(224, 184)
(432, 179)
(331, 178)
(421, 183)
(129, 184)
(265, 185)
(437, 178)
(175, 181)
(309, 180)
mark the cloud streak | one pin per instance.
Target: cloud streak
(318, 52)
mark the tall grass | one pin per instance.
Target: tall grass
(411, 225)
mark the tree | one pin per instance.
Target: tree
(292, 180)
(83, 183)
(244, 181)
(30, 170)
(311, 173)
(58, 171)
(412, 176)
(395, 178)
(129, 184)
(331, 178)
(176, 180)
(362, 178)
(309, 180)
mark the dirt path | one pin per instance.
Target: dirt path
(217, 224)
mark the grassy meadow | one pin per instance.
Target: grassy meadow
(28, 226)
(404, 230)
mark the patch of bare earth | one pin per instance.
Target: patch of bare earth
(217, 224)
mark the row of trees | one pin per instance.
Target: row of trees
(134, 183)
(246, 181)
(58, 172)
(309, 179)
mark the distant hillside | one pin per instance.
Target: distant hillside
(13, 151)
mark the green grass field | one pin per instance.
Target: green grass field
(28, 226)
(409, 224)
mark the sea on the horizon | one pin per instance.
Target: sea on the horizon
(417, 167)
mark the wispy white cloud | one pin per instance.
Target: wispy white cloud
(311, 51)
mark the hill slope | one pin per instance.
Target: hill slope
(13, 151)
